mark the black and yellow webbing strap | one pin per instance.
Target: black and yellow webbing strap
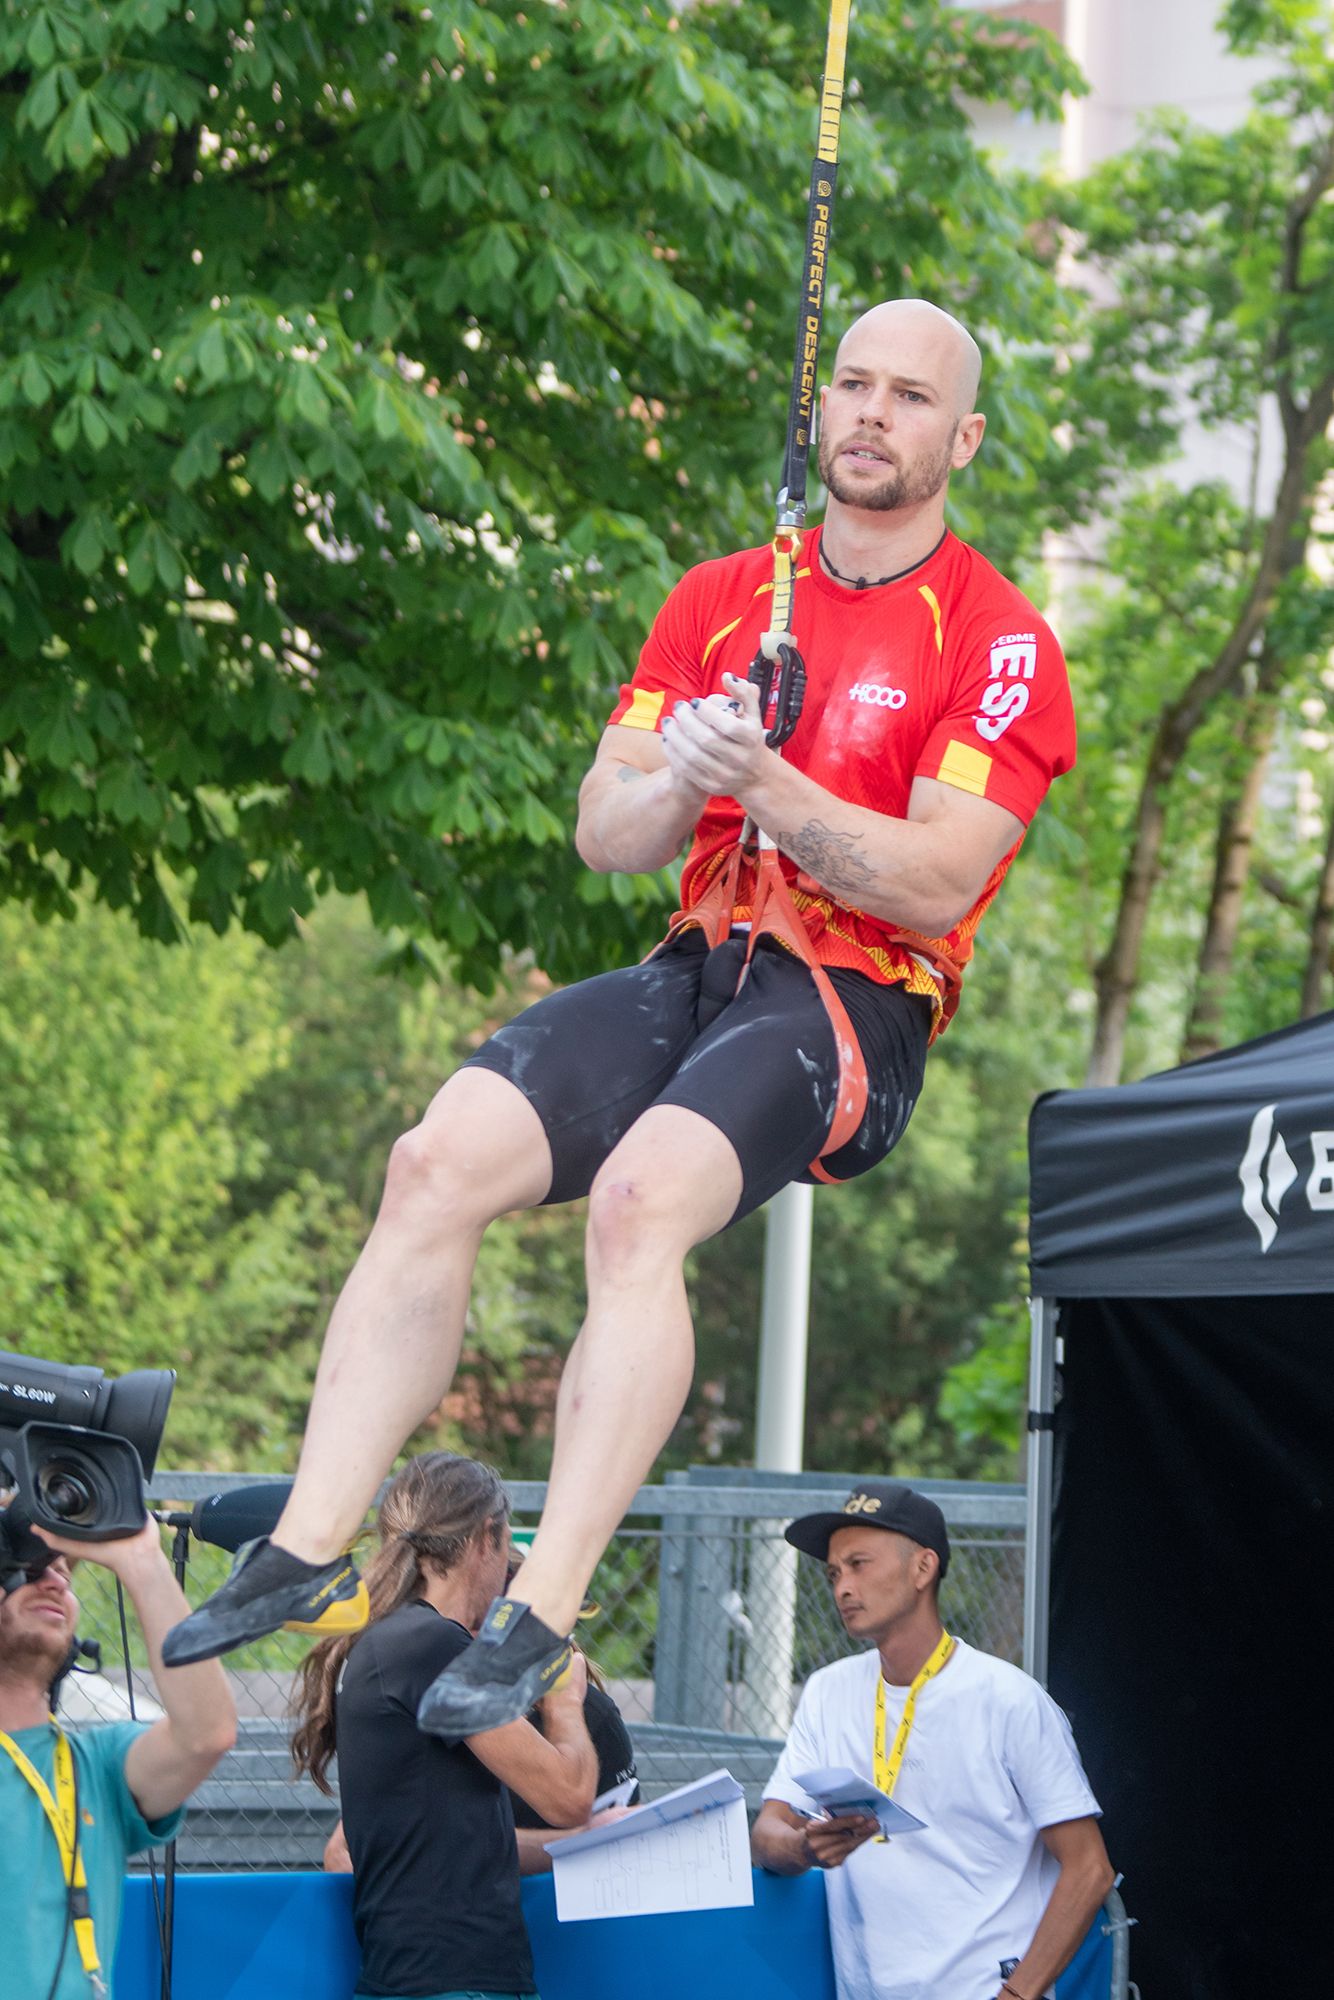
(810, 316)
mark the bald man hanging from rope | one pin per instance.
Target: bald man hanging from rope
(936, 714)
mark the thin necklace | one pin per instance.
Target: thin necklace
(874, 582)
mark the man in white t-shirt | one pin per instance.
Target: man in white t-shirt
(991, 1900)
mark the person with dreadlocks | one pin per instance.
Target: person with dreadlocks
(682, 1093)
(429, 1827)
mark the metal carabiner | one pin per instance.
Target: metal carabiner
(791, 670)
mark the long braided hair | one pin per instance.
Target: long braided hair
(435, 1507)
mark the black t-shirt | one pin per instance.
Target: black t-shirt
(430, 1831)
(611, 1740)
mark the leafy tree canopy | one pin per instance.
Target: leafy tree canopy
(369, 375)
(1211, 315)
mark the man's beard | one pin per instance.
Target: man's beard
(897, 489)
(29, 1656)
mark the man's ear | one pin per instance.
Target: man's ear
(926, 1568)
(967, 439)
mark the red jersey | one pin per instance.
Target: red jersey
(948, 672)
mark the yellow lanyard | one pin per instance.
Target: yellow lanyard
(887, 1768)
(62, 1812)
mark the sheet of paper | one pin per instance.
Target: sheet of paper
(836, 1789)
(699, 1862)
(717, 1789)
(689, 1850)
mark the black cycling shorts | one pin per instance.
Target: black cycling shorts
(763, 1067)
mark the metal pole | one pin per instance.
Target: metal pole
(765, 1701)
(180, 1556)
(1037, 1535)
(780, 1413)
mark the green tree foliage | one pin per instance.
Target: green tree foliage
(1212, 312)
(368, 376)
(124, 1069)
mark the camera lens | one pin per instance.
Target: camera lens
(67, 1492)
(136, 1409)
(79, 1483)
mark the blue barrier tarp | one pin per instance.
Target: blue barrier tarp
(289, 1937)
(1089, 1973)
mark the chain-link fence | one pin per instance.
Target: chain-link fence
(707, 1625)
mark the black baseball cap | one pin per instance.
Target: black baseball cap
(875, 1503)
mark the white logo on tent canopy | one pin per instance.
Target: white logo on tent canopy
(1266, 1173)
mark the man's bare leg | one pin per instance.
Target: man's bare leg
(673, 1181)
(389, 1356)
(394, 1336)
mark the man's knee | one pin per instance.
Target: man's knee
(479, 1152)
(673, 1180)
(424, 1184)
(633, 1217)
(655, 1199)
(416, 1171)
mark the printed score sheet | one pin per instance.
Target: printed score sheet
(689, 1850)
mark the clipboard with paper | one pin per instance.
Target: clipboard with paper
(689, 1850)
(835, 1789)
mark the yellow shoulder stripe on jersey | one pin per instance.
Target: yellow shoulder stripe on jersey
(761, 590)
(965, 767)
(644, 710)
(720, 634)
(925, 590)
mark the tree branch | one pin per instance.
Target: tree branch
(1300, 211)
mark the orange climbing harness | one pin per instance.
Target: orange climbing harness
(774, 914)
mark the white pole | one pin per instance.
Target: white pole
(771, 1594)
(780, 1414)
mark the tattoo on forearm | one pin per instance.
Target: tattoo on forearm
(834, 859)
(627, 773)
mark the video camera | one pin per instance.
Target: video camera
(76, 1448)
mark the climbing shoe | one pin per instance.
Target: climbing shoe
(269, 1589)
(514, 1660)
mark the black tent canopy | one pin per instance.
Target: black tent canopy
(1211, 1181)
(1181, 1495)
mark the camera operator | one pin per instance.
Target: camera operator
(74, 1808)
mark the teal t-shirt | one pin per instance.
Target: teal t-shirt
(32, 1881)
